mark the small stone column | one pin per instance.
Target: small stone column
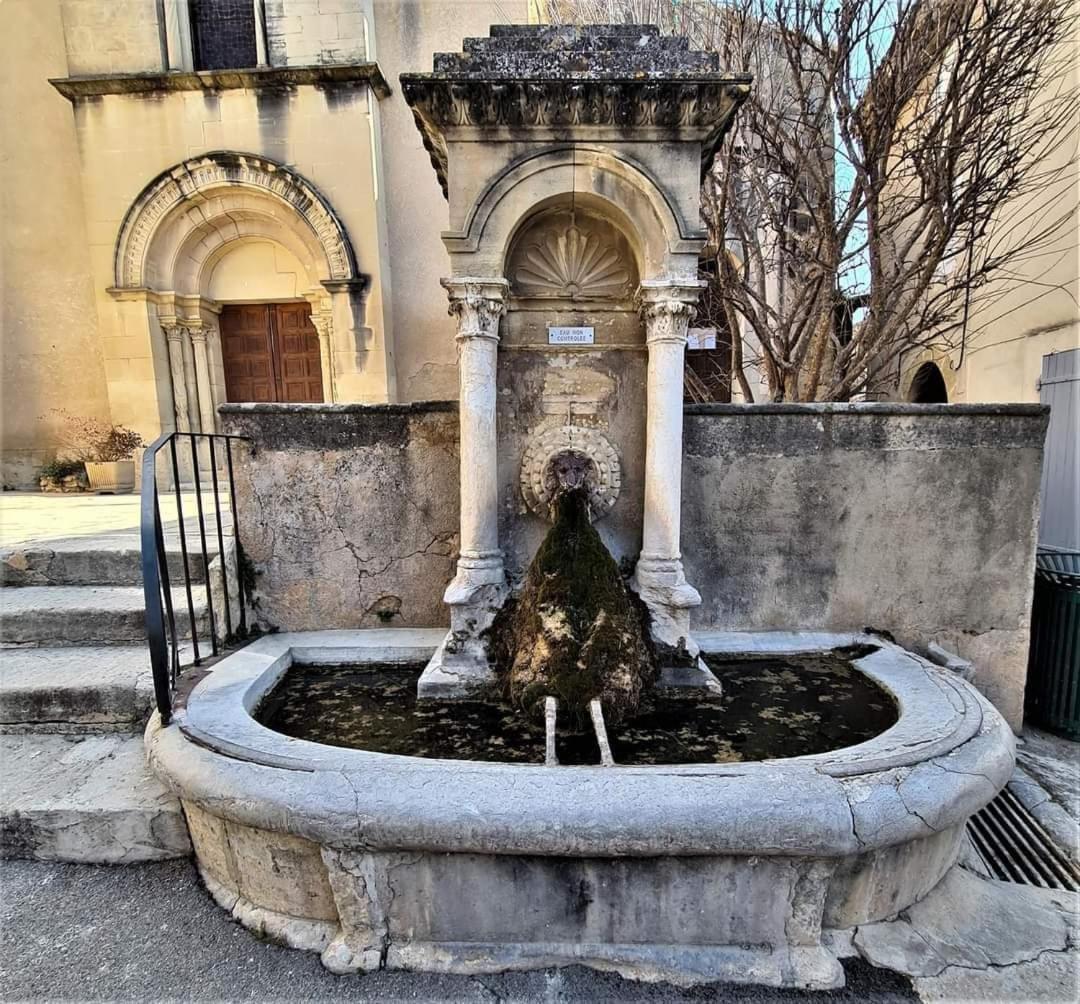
(174, 339)
(667, 307)
(479, 587)
(324, 325)
(207, 417)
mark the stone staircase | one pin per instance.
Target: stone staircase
(75, 694)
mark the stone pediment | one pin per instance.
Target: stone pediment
(598, 80)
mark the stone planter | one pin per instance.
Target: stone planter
(116, 477)
(68, 485)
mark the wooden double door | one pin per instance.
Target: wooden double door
(271, 353)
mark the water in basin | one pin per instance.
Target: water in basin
(771, 707)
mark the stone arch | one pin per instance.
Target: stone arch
(928, 385)
(665, 241)
(192, 194)
(186, 223)
(915, 373)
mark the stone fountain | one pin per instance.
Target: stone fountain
(571, 160)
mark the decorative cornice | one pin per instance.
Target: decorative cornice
(680, 108)
(257, 78)
(478, 303)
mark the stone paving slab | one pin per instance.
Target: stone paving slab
(1055, 763)
(66, 688)
(93, 521)
(109, 562)
(81, 615)
(151, 932)
(87, 799)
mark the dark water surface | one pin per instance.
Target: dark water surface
(771, 707)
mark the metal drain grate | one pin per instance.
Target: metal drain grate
(1015, 848)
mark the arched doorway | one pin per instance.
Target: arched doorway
(245, 284)
(928, 386)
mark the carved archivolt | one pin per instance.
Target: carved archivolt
(573, 257)
(195, 180)
(547, 444)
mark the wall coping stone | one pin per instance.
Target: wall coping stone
(868, 408)
(94, 85)
(353, 408)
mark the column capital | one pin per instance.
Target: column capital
(174, 329)
(668, 306)
(478, 303)
(322, 323)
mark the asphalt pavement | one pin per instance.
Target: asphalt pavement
(152, 933)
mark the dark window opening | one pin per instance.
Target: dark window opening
(223, 34)
(707, 375)
(928, 386)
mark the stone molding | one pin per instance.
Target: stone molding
(195, 180)
(94, 85)
(477, 303)
(546, 443)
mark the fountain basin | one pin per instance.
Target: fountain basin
(690, 873)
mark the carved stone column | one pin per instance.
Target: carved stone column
(324, 325)
(174, 338)
(479, 587)
(667, 308)
(207, 417)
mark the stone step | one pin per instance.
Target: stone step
(86, 799)
(79, 689)
(87, 615)
(74, 563)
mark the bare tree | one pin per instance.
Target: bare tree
(895, 156)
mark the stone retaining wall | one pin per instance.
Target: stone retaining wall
(348, 513)
(919, 520)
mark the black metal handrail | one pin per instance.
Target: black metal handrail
(162, 634)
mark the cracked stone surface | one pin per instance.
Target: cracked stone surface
(86, 615)
(1055, 764)
(969, 922)
(85, 799)
(67, 688)
(353, 513)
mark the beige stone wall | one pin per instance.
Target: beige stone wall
(407, 34)
(49, 348)
(72, 174)
(126, 140)
(111, 36)
(306, 32)
(1035, 309)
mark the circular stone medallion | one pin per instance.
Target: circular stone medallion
(546, 444)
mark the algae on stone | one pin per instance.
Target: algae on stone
(574, 631)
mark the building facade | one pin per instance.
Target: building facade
(217, 200)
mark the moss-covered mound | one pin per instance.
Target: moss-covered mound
(574, 631)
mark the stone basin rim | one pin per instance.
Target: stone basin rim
(946, 756)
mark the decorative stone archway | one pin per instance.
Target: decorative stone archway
(614, 123)
(181, 228)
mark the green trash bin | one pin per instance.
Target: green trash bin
(1052, 698)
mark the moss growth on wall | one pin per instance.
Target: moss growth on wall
(574, 632)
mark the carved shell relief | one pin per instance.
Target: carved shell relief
(605, 476)
(573, 258)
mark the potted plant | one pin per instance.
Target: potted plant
(106, 451)
(62, 475)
